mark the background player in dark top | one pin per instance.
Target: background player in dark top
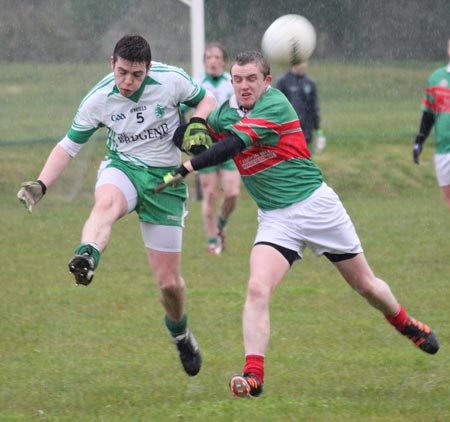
(301, 91)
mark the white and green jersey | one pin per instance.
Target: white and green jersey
(220, 87)
(437, 101)
(276, 167)
(140, 127)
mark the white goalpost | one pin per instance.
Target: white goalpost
(197, 18)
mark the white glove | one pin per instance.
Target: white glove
(321, 141)
(31, 193)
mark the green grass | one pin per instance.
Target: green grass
(102, 354)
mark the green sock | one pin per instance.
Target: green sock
(90, 249)
(212, 241)
(221, 223)
(176, 328)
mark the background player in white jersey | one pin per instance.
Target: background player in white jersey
(138, 104)
(261, 130)
(218, 82)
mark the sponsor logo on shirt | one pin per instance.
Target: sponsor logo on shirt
(257, 158)
(153, 133)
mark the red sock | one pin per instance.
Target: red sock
(255, 365)
(398, 320)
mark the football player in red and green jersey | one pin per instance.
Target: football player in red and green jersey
(297, 209)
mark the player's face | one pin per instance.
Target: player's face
(128, 75)
(299, 69)
(214, 62)
(249, 83)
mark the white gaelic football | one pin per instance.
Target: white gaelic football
(289, 40)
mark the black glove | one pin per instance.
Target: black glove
(418, 146)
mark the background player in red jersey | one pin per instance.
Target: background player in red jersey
(436, 112)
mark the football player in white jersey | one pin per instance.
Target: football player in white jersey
(138, 104)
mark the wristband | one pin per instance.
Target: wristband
(420, 138)
(197, 120)
(44, 188)
(182, 171)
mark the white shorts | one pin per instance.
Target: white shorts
(162, 238)
(442, 169)
(320, 222)
(158, 237)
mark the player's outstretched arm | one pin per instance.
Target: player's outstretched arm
(218, 153)
(32, 192)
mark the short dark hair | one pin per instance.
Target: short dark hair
(133, 48)
(256, 57)
(220, 46)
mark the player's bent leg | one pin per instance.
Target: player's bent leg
(209, 189)
(446, 193)
(230, 182)
(110, 205)
(358, 274)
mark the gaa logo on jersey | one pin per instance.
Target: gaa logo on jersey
(160, 110)
(443, 83)
(117, 117)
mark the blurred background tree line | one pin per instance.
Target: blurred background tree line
(86, 30)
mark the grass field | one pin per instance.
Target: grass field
(102, 354)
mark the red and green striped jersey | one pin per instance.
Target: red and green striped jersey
(276, 167)
(437, 101)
